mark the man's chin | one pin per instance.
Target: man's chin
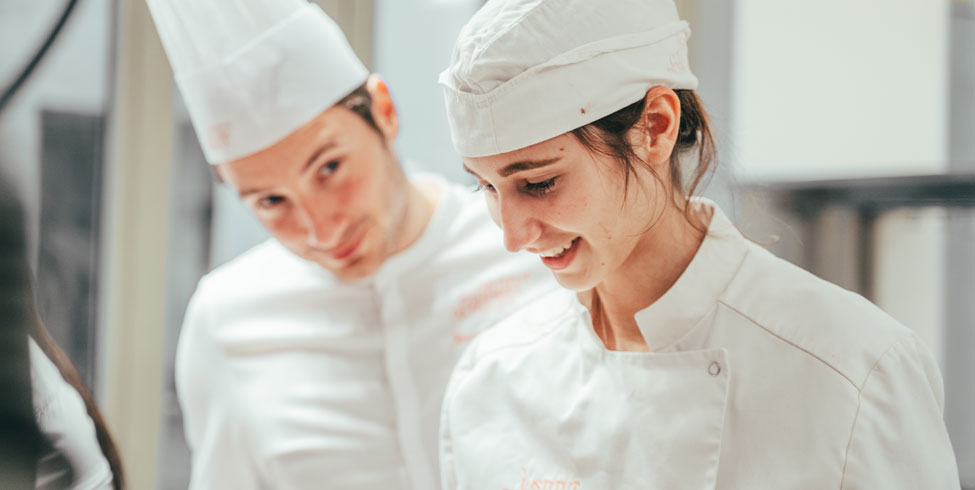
(354, 270)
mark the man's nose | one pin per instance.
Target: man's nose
(324, 227)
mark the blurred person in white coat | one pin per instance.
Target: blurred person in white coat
(52, 434)
(681, 355)
(319, 358)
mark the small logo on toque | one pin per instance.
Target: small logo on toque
(678, 59)
(218, 136)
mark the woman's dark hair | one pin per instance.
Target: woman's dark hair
(20, 437)
(608, 136)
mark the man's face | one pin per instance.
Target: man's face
(332, 192)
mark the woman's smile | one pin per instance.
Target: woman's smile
(560, 257)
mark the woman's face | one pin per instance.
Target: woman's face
(570, 206)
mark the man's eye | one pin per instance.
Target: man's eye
(484, 187)
(540, 188)
(329, 168)
(269, 202)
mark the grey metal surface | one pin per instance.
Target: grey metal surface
(67, 266)
(188, 259)
(960, 341)
(961, 91)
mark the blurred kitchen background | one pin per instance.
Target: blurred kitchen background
(847, 145)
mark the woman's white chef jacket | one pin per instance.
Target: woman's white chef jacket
(289, 379)
(761, 376)
(71, 458)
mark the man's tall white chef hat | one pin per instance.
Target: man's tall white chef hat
(524, 71)
(253, 71)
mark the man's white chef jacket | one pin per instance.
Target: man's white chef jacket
(290, 379)
(760, 376)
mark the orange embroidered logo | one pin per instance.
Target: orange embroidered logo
(218, 136)
(487, 295)
(529, 483)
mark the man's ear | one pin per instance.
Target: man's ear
(383, 109)
(661, 118)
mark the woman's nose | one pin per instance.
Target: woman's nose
(519, 227)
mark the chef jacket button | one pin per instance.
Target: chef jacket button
(714, 369)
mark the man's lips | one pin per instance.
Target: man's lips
(344, 251)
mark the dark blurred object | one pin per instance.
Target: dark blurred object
(8, 93)
(72, 157)
(19, 435)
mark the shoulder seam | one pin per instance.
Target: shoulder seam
(856, 418)
(783, 339)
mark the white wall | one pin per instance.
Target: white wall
(412, 44)
(834, 88)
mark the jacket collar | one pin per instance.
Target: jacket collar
(698, 289)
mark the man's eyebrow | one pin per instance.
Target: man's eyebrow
(328, 145)
(246, 192)
(526, 165)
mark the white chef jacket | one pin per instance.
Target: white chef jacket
(71, 458)
(290, 379)
(761, 376)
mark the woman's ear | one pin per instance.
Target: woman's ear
(661, 117)
(383, 109)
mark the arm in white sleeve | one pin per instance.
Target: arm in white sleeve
(71, 456)
(221, 457)
(899, 440)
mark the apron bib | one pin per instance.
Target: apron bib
(567, 414)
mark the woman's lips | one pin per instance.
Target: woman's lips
(564, 260)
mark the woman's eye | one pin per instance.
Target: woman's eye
(269, 202)
(540, 187)
(329, 168)
(484, 187)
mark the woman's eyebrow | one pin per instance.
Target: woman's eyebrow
(518, 167)
(526, 165)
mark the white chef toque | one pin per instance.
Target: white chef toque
(253, 71)
(524, 71)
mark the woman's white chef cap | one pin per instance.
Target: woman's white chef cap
(524, 71)
(253, 71)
